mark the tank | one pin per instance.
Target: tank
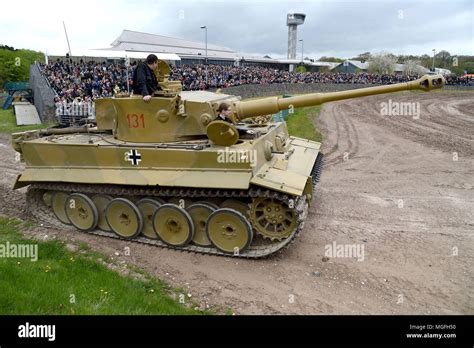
(171, 174)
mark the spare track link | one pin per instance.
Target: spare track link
(42, 213)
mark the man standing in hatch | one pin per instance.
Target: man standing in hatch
(144, 78)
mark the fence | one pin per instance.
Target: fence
(43, 95)
(265, 90)
(75, 113)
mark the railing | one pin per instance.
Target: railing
(75, 113)
(38, 66)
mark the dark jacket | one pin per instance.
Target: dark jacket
(221, 117)
(144, 80)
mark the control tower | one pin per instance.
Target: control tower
(292, 21)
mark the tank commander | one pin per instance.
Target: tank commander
(144, 78)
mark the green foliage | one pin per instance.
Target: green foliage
(300, 69)
(465, 63)
(8, 123)
(15, 64)
(363, 57)
(382, 63)
(331, 59)
(301, 123)
(443, 59)
(323, 69)
(64, 282)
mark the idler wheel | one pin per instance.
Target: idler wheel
(101, 202)
(147, 207)
(58, 203)
(200, 212)
(229, 231)
(81, 211)
(124, 218)
(47, 198)
(173, 225)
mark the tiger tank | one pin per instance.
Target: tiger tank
(171, 173)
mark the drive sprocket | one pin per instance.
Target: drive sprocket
(273, 218)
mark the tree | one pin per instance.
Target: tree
(426, 61)
(404, 58)
(330, 59)
(363, 57)
(324, 69)
(443, 59)
(469, 67)
(300, 69)
(382, 63)
(15, 64)
(412, 67)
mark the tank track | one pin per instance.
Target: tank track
(41, 212)
(316, 171)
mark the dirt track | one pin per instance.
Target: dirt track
(390, 184)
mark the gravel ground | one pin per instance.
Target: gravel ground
(399, 189)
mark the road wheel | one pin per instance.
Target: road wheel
(173, 225)
(81, 211)
(199, 214)
(229, 231)
(124, 218)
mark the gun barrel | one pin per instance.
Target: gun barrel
(273, 105)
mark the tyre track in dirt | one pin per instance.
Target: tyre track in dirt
(403, 160)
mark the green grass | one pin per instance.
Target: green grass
(59, 276)
(301, 123)
(8, 123)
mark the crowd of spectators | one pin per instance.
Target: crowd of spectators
(85, 81)
(467, 80)
(193, 77)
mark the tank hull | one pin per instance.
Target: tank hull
(100, 159)
(213, 196)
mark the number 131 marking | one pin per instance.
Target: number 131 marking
(135, 121)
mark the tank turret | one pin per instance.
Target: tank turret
(167, 173)
(173, 116)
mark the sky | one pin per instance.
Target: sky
(340, 28)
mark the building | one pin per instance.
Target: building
(292, 21)
(355, 66)
(137, 45)
(190, 52)
(351, 66)
(100, 55)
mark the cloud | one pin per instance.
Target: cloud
(340, 28)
